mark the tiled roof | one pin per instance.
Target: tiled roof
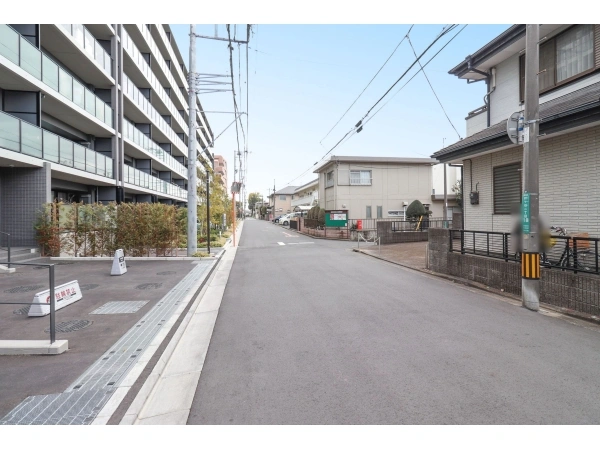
(588, 95)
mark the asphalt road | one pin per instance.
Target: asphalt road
(349, 339)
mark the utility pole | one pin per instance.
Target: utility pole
(274, 198)
(192, 213)
(530, 257)
(445, 196)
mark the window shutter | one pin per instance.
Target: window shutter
(507, 188)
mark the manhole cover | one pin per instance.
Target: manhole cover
(22, 311)
(19, 289)
(88, 287)
(168, 272)
(147, 286)
(70, 325)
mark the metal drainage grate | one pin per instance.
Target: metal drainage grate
(69, 326)
(22, 311)
(147, 286)
(20, 289)
(127, 307)
(88, 287)
(168, 272)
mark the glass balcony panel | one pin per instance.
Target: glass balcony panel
(65, 84)
(50, 146)
(79, 156)
(108, 115)
(31, 60)
(50, 73)
(67, 27)
(100, 110)
(9, 133)
(99, 53)
(78, 34)
(78, 94)
(89, 42)
(90, 102)
(66, 152)
(9, 43)
(100, 164)
(31, 140)
(90, 160)
(109, 167)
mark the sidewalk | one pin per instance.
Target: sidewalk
(112, 331)
(167, 394)
(408, 254)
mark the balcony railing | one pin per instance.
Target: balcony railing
(136, 177)
(22, 137)
(135, 135)
(134, 94)
(162, 63)
(21, 52)
(137, 57)
(92, 47)
(306, 200)
(174, 60)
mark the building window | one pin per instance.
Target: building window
(379, 212)
(360, 178)
(282, 197)
(563, 57)
(368, 212)
(329, 179)
(507, 188)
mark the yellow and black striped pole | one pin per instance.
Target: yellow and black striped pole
(530, 266)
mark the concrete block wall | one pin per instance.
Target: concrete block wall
(23, 191)
(569, 186)
(577, 292)
(384, 231)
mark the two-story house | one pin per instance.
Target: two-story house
(569, 159)
(373, 187)
(280, 202)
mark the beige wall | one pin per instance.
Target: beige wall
(392, 185)
(569, 184)
(285, 205)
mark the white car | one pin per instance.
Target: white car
(285, 219)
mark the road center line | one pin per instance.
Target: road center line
(281, 243)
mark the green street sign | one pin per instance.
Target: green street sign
(525, 213)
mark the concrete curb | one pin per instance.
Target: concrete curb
(167, 395)
(481, 287)
(128, 258)
(31, 347)
(128, 381)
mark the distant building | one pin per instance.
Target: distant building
(221, 169)
(281, 201)
(306, 196)
(372, 187)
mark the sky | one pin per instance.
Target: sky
(302, 78)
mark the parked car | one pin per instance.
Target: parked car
(285, 220)
(276, 219)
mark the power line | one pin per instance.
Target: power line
(369, 83)
(433, 90)
(356, 129)
(235, 107)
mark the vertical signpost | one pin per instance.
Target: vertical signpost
(530, 257)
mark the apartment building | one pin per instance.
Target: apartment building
(281, 201)
(221, 169)
(372, 187)
(569, 142)
(92, 113)
(306, 196)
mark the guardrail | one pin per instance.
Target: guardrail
(51, 292)
(400, 224)
(573, 253)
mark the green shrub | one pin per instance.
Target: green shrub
(415, 210)
(321, 217)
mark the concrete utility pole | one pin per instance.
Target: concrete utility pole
(530, 257)
(445, 195)
(192, 225)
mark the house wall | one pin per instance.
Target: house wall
(569, 186)
(392, 185)
(505, 99)
(476, 123)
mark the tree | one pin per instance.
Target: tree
(415, 210)
(253, 199)
(457, 189)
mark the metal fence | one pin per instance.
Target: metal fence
(401, 224)
(51, 293)
(574, 253)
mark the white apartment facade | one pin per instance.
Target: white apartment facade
(569, 158)
(379, 187)
(306, 196)
(92, 113)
